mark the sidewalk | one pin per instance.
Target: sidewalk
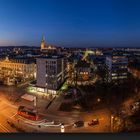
(54, 107)
(68, 118)
(24, 83)
(22, 126)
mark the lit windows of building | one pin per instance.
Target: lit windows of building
(82, 70)
(17, 67)
(51, 73)
(116, 68)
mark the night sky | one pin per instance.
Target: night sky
(70, 23)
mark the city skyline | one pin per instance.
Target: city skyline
(70, 23)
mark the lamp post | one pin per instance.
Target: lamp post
(111, 123)
(35, 105)
(35, 102)
(62, 128)
(98, 100)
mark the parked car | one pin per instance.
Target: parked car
(79, 124)
(94, 122)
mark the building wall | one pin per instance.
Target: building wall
(41, 72)
(25, 70)
(51, 72)
(116, 68)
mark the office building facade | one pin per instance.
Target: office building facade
(51, 73)
(116, 68)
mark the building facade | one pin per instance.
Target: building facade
(82, 70)
(47, 48)
(51, 73)
(116, 68)
(13, 69)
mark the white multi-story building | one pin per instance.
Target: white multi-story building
(51, 73)
(116, 68)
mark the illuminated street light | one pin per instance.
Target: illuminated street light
(35, 101)
(62, 128)
(98, 100)
(111, 123)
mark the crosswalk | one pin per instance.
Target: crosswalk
(13, 115)
(4, 129)
(6, 112)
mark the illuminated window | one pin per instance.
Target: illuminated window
(114, 77)
(113, 74)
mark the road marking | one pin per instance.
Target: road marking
(13, 115)
(42, 122)
(4, 128)
(10, 105)
(30, 121)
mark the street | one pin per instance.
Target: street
(9, 110)
(6, 112)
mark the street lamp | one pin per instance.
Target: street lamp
(35, 101)
(98, 100)
(111, 123)
(62, 128)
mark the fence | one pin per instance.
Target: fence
(24, 127)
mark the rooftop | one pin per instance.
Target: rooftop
(51, 57)
(82, 64)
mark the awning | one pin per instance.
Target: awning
(28, 97)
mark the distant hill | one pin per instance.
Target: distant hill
(9, 47)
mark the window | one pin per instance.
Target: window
(113, 74)
(122, 77)
(54, 62)
(114, 78)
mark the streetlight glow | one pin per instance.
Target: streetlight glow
(98, 100)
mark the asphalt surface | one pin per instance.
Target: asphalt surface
(8, 110)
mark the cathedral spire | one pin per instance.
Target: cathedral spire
(43, 37)
(43, 43)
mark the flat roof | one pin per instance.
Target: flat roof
(50, 57)
(28, 97)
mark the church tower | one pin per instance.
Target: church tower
(43, 43)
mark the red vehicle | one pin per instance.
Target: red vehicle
(93, 122)
(27, 113)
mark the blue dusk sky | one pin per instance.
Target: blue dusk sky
(70, 23)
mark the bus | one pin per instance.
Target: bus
(27, 113)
